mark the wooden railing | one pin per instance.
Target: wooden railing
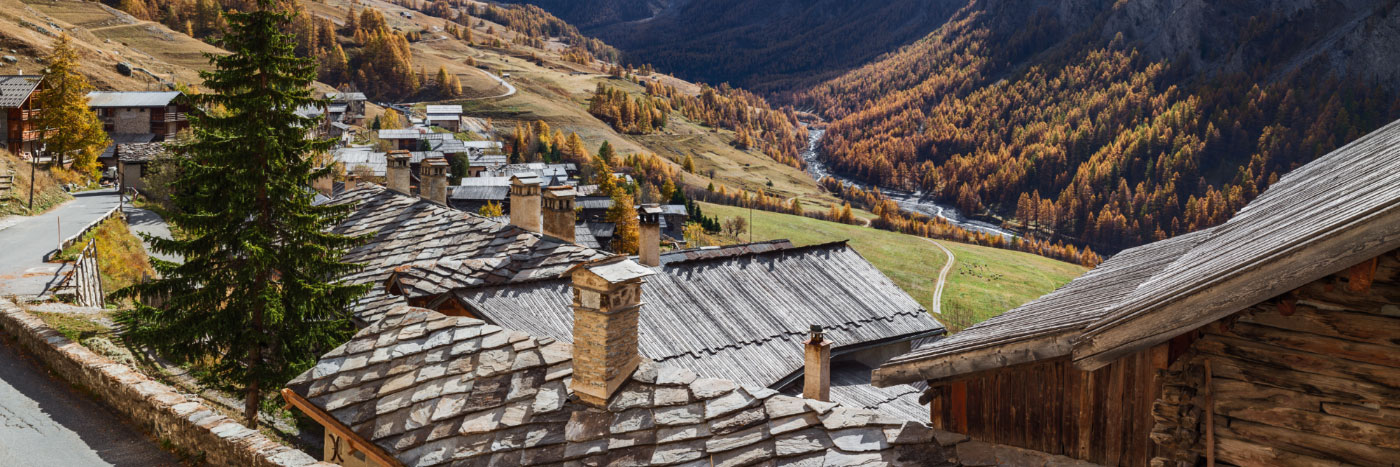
(85, 279)
(167, 117)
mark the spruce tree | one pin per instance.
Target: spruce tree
(76, 131)
(255, 301)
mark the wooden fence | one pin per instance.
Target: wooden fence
(85, 279)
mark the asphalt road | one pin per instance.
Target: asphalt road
(23, 244)
(45, 422)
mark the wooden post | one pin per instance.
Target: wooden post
(1210, 419)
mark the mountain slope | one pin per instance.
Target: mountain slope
(763, 46)
(1114, 123)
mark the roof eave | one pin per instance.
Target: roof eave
(958, 364)
(1125, 332)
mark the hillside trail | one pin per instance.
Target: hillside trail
(942, 276)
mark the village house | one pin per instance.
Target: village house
(448, 117)
(870, 318)
(347, 107)
(156, 115)
(1272, 339)
(133, 161)
(17, 112)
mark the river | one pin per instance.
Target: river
(908, 201)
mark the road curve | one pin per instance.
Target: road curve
(942, 276)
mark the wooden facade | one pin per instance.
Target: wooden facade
(1311, 377)
(1102, 416)
(1308, 378)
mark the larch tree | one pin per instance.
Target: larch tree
(72, 129)
(256, 300)
(390, 120)
(626, 236)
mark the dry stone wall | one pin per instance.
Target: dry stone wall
(187, 424)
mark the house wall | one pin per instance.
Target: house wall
(1307, 378)
(131, 175)
(129, 120)
(1102, 416)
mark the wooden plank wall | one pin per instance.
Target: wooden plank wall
(1103, 416)
(1312, 377)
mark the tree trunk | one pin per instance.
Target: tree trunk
(253, 397)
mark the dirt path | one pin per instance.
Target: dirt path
(942, 277)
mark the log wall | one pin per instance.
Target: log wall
(1308, 378)
(1103, 416)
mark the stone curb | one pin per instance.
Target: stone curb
(158, 409)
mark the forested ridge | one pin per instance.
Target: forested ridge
(1071, 131)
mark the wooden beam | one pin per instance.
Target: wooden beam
(1210, 419)
(330, 423)
(1360, 276)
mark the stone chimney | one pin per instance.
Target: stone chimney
(649, 235)
(816, 367)
(432, 173)
(559, 218)
(607, 302)
(525, 202)
(352, 181)
(397, 171)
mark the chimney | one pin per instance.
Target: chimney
(432, 173)
(649, 235)
(607, 301)
(352, 181)
(816, 367)
(525, 202)
(559, 212)
(397, 171)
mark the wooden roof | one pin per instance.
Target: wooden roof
(742, 318)
(1324, 217)
(1042, 328)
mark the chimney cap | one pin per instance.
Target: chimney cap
(613, 269)
(526, 178)
(561, 191)
(436, 161)
(651, 209)
(399, 153)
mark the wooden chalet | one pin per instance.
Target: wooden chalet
(1272, 339)
(17, 112)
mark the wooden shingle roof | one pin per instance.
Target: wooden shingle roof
(1042, 328)
(1322, 218)
(429, 389)
(742, 318)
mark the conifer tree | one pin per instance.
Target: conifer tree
(76, 131)
(606, 152)
(256, 300)
(390, 120)
(624, 216)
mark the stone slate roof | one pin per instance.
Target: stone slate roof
(14, 89)
(1054, 319)
(741, 318)
(139, 152)
(432, 390)
(455, 247)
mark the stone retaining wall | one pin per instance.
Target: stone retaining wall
(187, 424)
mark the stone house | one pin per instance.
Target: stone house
(1272, 339)
(17, 112)
(159, 114)
(132, 163)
